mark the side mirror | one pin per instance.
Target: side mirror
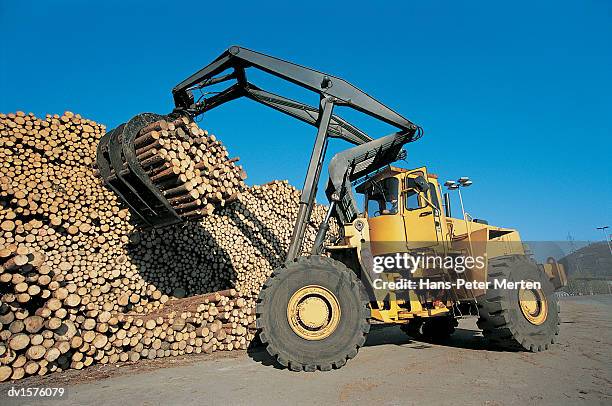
(421, 184)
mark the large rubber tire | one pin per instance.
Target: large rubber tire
(501, 319)
(295, 352)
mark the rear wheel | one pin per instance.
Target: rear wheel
(313, 314)
(519, 319)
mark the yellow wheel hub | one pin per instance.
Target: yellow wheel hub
(533, 305)
(313, 312)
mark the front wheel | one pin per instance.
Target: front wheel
(312, 314)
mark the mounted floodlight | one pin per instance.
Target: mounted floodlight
(463, 181)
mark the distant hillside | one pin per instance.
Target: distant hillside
(593, 260)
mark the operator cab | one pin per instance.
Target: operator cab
(403, 210)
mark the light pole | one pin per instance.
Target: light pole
(463, 181)
(603, 230)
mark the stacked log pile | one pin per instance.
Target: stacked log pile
(80, 285)
(46, 327)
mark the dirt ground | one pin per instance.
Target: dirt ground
(389, 370)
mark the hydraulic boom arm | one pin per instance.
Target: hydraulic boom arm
(332, 91)
(239, 59)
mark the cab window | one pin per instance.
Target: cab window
(412, 199)
(382, 197)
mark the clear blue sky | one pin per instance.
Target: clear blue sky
(516, 96)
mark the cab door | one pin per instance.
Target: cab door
(421, 216)
(385, 221)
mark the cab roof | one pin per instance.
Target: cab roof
(384, 173)
(387, 172)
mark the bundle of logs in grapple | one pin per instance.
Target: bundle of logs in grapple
(80, 285)
(189, 166)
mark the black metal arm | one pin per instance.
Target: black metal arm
(332, 91)
(239, 59)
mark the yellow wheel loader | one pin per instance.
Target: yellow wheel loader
(401, 258)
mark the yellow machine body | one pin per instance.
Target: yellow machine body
(417, 223)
